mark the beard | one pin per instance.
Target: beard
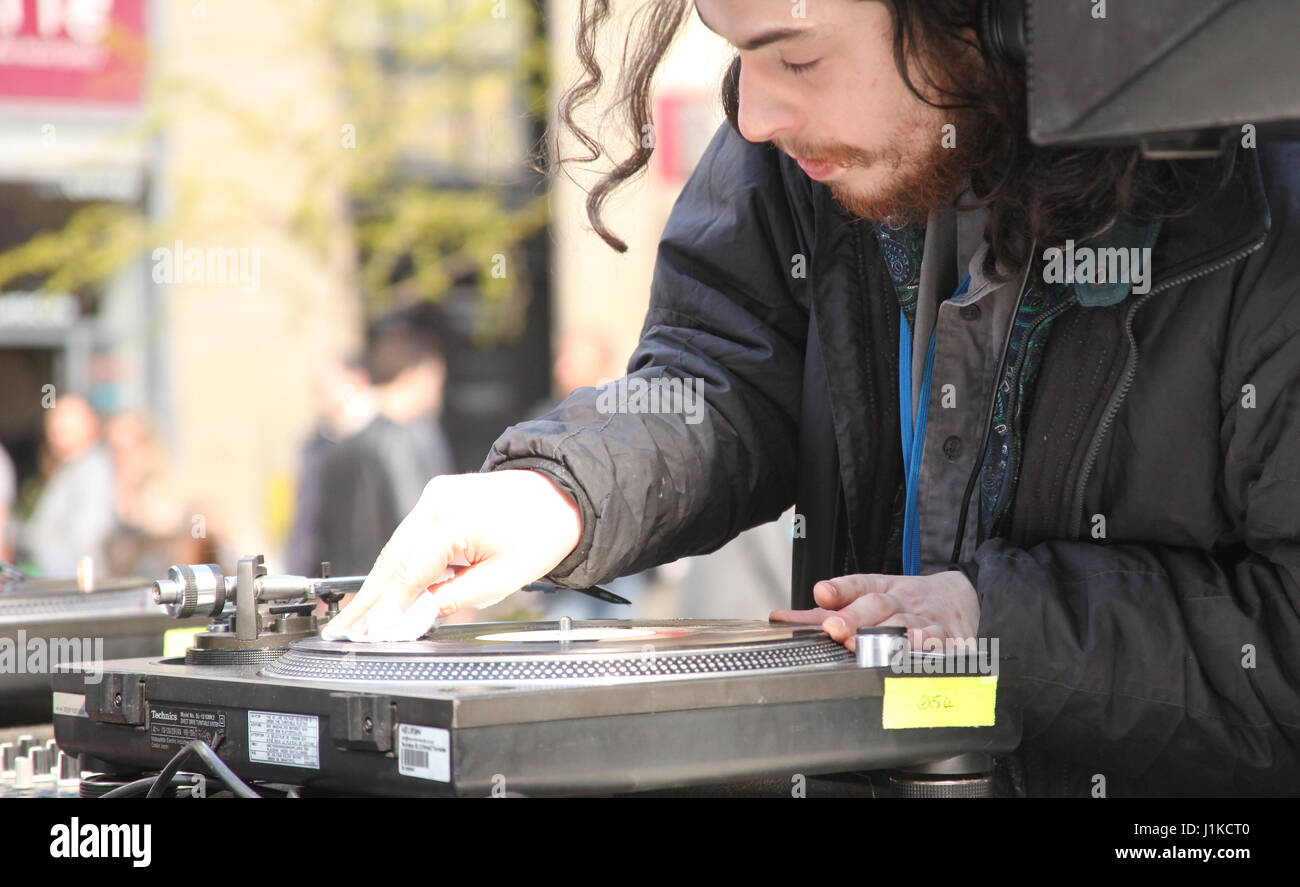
(918, 176)
(916, 187)
(916, 184)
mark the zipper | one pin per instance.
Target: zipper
(1130, 372)
(1013, 462)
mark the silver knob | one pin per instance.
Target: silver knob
(878, 645)
(8, 754)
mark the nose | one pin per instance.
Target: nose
(764, 113)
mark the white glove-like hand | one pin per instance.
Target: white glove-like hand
(510, 527)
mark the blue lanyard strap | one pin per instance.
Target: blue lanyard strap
(913, 441)
(913, 435)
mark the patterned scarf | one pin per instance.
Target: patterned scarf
(902, 246)
(1038, 310)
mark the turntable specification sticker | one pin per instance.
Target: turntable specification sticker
(171, 726)
(70, 705)
(292, 740)
(424, 752)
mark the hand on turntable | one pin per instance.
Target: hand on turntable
(504, 528)
(938, 607)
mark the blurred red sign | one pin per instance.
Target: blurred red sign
(92, 51)
(684, 125)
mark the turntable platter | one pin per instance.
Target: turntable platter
(600, 651)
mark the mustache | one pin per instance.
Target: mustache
(843, 155)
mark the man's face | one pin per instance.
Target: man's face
(824, 89)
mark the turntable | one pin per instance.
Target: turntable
(45, 620)
(601, 706)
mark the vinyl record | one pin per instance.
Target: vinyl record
(599, 650)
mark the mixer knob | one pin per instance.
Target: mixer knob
(23, 772)
(69, 769)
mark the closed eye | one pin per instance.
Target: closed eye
(799, 69)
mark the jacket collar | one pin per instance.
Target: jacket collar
(1226, 227)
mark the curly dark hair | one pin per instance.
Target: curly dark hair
(1034, 194)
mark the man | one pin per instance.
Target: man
(371, 479)
(859, 273)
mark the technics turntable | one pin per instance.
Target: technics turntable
(601, 706)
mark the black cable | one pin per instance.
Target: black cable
(209, 757)
(140, 786)
(988, 420)
(131, 789)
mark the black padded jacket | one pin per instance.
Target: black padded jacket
(1164, 656)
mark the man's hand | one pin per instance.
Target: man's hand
(939, 606)
(510, 527)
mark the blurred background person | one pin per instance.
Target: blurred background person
(585, 357)
(154, 527)
(74, 515)
(371, 479)
(344, 403)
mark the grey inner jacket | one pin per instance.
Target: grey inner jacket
(1163, 655)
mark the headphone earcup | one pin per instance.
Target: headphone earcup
(1002, 30)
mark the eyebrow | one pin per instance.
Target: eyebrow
(764, 38)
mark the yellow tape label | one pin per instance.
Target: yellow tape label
(177, 640)
(966, 701)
